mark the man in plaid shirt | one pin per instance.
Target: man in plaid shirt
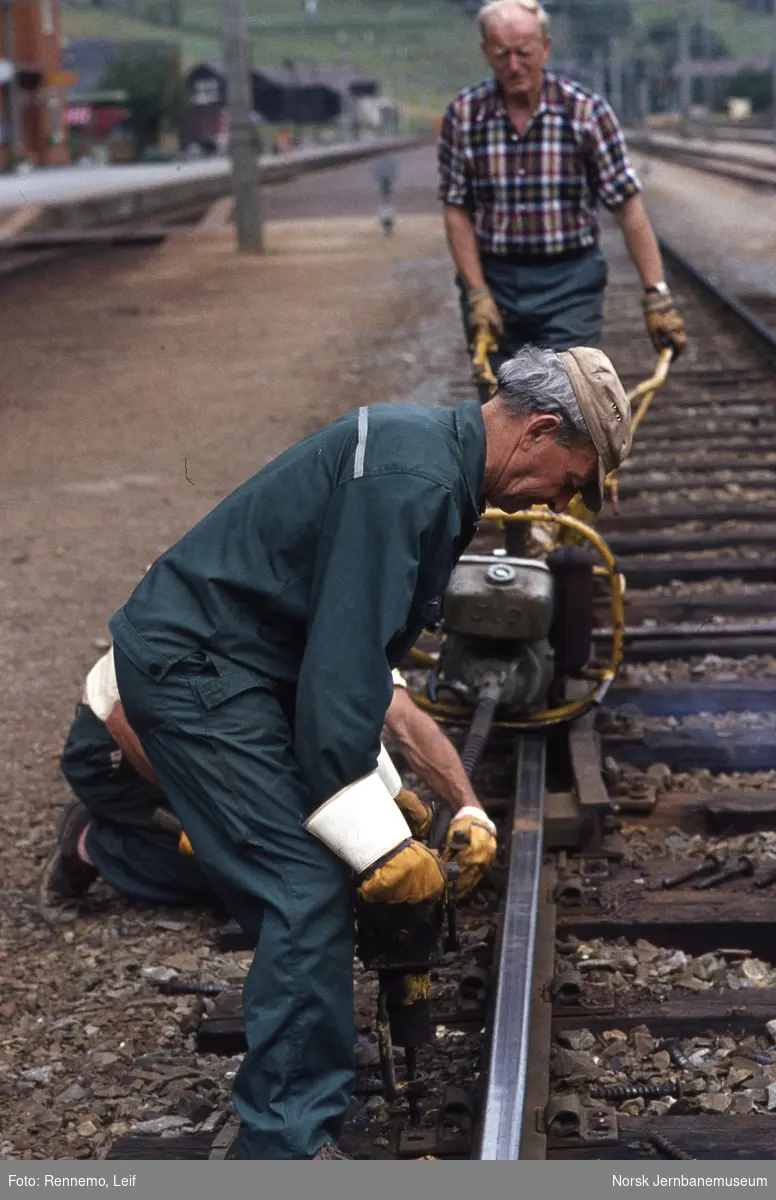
(524, 159)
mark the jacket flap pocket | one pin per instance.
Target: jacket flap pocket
(230, 682)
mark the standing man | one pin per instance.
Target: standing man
(253, 663)
(524, 159)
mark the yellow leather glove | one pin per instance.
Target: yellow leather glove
(417, 813)
(410, 874)
(471, 843)
(483, 313)
(664, 322)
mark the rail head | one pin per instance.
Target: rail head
(504, 1105)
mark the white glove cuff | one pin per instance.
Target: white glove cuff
(360, 823)
(101, 692)
(387, 772)
(469, 810)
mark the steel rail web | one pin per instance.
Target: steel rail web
(502, 1121)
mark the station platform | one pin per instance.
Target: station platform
(86, 197)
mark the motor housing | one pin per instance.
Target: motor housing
(497, 613)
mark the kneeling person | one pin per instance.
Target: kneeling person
(121, 828)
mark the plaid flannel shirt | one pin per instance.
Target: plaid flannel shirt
(534, 194)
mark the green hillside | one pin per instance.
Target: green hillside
(422, 54)
(748, 34)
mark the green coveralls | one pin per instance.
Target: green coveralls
(253, 661)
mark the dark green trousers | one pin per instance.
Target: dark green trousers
(557, 305)
(133, 856)
(220, 742)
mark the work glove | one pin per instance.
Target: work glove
(364, 826)
(471, 843)
(484, 314)
(417, 813)
(664, 322)
(409, 874)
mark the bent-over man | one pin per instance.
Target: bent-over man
(253, 664)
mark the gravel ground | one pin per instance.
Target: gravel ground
(711, 668)
(162, 379)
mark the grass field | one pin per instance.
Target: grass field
(423, 53)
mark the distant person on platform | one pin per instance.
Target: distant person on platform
(524, 159)
(384, 172)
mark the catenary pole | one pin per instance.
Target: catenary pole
(242, 148)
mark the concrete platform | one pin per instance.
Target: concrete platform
(87, 197)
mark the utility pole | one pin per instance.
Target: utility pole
(598, 71)
(643, 93)
(773, 70)
(684, 64)
(708, 81)
(615, 78)
(11, 99)
(242, 148)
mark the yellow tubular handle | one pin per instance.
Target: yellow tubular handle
(484, 345)
(645, 392)
(602, 678)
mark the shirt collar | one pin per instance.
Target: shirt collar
(492, 102)
(470, 431)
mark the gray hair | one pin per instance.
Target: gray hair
(503, 8)
(535, 381)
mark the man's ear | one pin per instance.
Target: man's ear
(542, 425)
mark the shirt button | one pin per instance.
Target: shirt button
(155, 669)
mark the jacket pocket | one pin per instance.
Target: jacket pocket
(219, 685)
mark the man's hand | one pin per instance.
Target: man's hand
(410, 874)
(483, 313)
(471, 843)
(664, 322)
(417, 813)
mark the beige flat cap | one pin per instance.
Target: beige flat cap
(606, 410)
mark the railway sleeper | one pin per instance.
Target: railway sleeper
(703, 1137)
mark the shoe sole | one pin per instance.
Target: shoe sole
(44, 902)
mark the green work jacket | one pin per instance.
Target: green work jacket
(320, 572)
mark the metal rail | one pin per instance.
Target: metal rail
(762, 335)
(504, 1103)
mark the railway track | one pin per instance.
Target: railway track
(604, 1004)
(753, 168)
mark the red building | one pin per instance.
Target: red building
(32, 102)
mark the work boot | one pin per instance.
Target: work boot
(331, 1153)
(66, 876)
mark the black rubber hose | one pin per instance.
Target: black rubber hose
(476, 740)
(479, 730)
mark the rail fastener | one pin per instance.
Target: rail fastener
(742, 867)
(710, 863)
(669, 1148)
(630, 1091)
(678, 1057)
